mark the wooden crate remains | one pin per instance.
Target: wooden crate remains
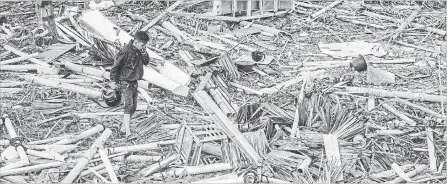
(189, 141)
(222, 7)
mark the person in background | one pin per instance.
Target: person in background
(125, 73)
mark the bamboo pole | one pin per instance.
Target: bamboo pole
(137, 158)
(399, 94)
(20, 53)
(399, 114)
(83, 161)
(18, 59)
(47, 155)
(193, 170)
(108, 165)
(98, 128)
(429, 111)
(71, 87)
(12, 84)
(86, 70)
(159, 165)
(26, 67)
(159, 17)
(4, 172)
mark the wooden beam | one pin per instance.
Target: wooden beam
(234, 8)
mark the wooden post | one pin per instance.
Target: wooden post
(83, 161)
(248, 7)
(234, 8)
(275, 6)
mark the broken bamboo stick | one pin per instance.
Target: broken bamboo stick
(18, 59)
(83, 161)
(157, 166)
(98, 128)
(326, 8)
(108, 165)
(71, 87)
(429, 111)
(296, 119)
(399, 171)
(399, 114)
(29, 169)
(22, 54)
(159, 17)
(399, 94)
(192, 170)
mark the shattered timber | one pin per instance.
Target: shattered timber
(237, 91)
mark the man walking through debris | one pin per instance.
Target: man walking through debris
(125, 73)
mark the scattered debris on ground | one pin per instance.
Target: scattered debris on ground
(288, 92)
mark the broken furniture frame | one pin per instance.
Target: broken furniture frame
(189, 142)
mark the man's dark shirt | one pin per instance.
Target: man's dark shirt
(128, 65)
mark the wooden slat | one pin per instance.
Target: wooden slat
(431, 149)
(332, 150)
(261, 6)
(217, 7)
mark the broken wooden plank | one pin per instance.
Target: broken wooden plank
(332, 151)
(226, 125)
(54, 51)
(400, 172)
(417, 170)
(262, 27)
